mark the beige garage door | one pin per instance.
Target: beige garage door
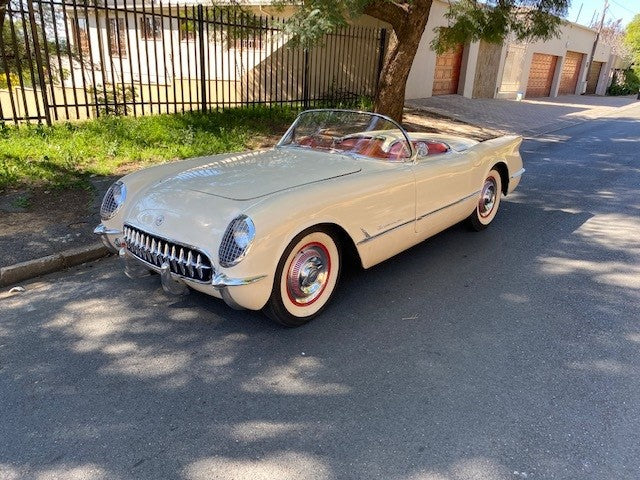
(592, 78)
(541, 75)
(570, 73)
(447, 74)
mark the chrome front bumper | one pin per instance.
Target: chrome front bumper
(104, 232)
(172, 283)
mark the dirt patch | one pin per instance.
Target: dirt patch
(39, 222)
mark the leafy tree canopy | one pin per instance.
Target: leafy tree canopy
(632, 39)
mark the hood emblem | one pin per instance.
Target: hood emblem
(159, 220)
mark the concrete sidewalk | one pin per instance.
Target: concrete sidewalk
(526, 117)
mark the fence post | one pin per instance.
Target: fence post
(203, 80)
(305, 80)
(383, 44)
(38, 55)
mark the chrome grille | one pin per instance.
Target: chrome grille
(109, 205)
(183, 260)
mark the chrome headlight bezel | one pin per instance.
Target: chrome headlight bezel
(113, 200)
(236, 241)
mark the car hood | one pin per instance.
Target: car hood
(251, 175)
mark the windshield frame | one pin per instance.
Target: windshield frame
(411, 158)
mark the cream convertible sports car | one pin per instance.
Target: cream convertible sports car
(270, 229)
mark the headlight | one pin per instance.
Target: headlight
(236, 241)
(113, 200)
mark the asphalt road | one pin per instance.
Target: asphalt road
(507, 354)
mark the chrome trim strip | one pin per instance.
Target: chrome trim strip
(447, 206)
(373, 237)
(102, 230)
(518, 173)
(220, 280)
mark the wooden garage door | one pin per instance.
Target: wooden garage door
(592, 78)
(570, 73)
(541, 75)
(447, 74)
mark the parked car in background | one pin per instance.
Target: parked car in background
(270, 230)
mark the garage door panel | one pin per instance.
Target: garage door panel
(592, 78)
(570, 73)
(447, 72)
(541, 75)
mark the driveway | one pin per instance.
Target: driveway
(508, 354)
(526, 117)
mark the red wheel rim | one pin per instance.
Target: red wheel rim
(488, 197)
(308, 274)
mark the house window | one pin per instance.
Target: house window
(151, 28)
(117, 41)
(80, 31)
(187, 30)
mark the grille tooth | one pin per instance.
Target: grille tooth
(190, 264)
(199, 265)
(182, 260)
(172, 261)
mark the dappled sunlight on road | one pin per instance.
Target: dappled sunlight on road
(613, 231)
(298, 378)
(78, 472)
(475, 468)
(611, 273)
(278, 465)
(606, 366)
(258, 431)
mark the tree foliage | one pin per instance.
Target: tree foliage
(612, 34)
(632, 39)
(525, 20)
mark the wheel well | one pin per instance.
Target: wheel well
(503, 170)
(351, 255)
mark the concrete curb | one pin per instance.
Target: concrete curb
(51, 263)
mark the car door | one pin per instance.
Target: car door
(443, 189)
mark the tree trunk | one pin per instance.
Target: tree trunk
(401, 52)
(3, 11)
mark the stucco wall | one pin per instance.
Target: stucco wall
(420, 81)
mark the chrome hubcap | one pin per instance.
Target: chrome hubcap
(308, 274)
(488, 197)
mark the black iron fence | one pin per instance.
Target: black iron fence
(74, 59)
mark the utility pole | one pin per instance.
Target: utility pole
(595, 43)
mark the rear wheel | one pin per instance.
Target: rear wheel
(305, 279)
(488, 202)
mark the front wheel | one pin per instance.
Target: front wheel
(305, 279)
(488, 202)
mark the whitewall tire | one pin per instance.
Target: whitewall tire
(306, 278)
(488, 202)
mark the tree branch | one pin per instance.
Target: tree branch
(393, 13)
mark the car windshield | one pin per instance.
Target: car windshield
(344, 131)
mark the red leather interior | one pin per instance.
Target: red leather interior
(371, 147)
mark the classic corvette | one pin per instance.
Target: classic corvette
(270, 230)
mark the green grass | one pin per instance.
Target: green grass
(66, 155)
